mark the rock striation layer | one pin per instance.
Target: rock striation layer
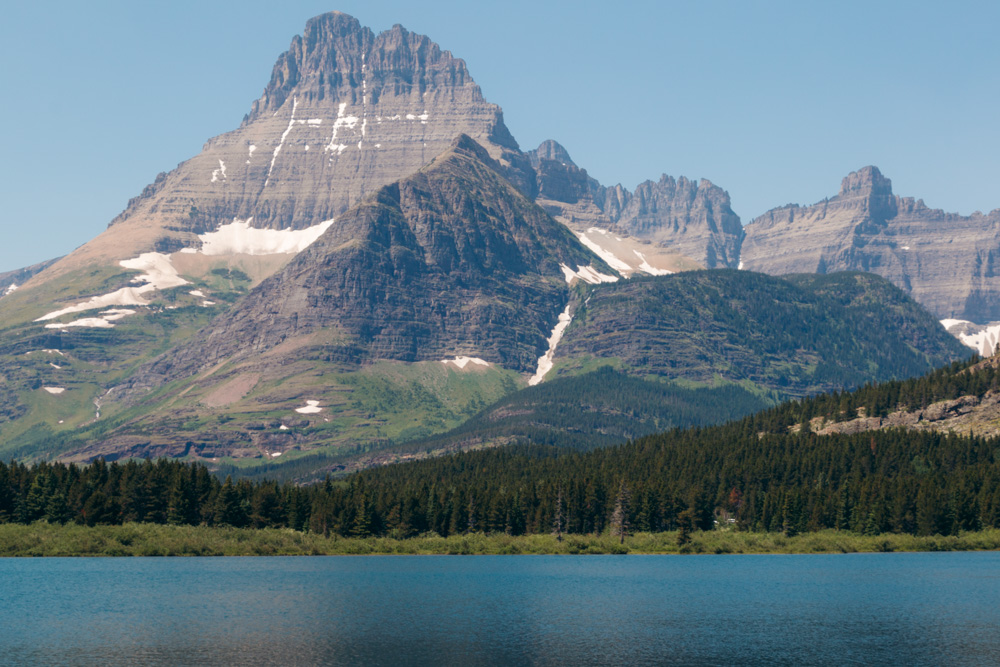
(949, 263)
(797, 336)
(346, 112)
(688, 218)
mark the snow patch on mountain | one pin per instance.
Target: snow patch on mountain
(90, 322)
(545, 361)
(221, 170)
(281, 142)
(462, 362)
(126, 296)
(587, 274)
(651, 270)
(982, 338)
(343, 120)
(618, 253)
(239, 237)
(609, 257)
(159, 273)
(310, 408)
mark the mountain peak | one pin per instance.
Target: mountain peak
(463, 143)
(550, 150)
(335, 55)
(865, 181)
(344, 113)
(331, 23)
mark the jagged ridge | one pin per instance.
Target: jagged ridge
(949, 263)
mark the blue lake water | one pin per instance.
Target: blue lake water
(901, 609)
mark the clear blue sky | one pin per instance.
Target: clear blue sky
(773, 101)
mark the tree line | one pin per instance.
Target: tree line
(759, 474)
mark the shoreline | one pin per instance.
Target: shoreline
(138, 540)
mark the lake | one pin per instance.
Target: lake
(914, 609)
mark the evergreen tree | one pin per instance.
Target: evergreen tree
(228, 509)
(558, 518)
(620, 515)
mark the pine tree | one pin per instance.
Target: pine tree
(558, 519)
(619, 518)
(472, 525)
(56, 509)
(685, 525)
(362, 525)
(228, 509)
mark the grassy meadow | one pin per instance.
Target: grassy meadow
(46, 540)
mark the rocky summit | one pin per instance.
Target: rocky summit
(947, 262)
(346, 112)
(672, 224)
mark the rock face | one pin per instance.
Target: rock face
(453, 261)
(690, 219)
(345, 113)
(949, 263)
(965, 415)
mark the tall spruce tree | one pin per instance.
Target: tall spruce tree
(620, 515)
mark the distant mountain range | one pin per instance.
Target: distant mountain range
(947, 262)
(371, 260)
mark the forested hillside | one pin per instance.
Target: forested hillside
(600, 408)
(759, 473)
(798, 335)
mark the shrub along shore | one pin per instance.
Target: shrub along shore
(143, 539)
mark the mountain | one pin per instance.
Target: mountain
(12, 280)
(451, 271)
(451, 262)
(947, 262)
(799, 335)
(654, 354)
(368, 261)
(345, 112)
(663, 226)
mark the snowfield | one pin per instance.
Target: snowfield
(239, 238)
